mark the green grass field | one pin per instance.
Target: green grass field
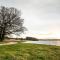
(23, 51)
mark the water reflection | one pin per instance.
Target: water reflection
(57, 43)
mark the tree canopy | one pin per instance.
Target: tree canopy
(10, 21)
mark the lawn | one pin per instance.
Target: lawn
(22, 51)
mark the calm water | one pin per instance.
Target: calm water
(57, 43)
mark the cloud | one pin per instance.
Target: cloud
(39, 15)
(40, 12)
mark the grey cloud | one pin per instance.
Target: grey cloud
(42, 13)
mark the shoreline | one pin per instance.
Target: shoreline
(42, 42)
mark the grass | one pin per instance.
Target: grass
(23, 51)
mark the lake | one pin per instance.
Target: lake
(57, 43)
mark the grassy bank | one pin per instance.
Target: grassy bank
(23, 51)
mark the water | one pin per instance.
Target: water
(57, 43)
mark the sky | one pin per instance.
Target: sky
(41, 17)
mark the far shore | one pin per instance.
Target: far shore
(18, 40)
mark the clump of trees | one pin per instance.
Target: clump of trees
(32, 38)
(10, 21)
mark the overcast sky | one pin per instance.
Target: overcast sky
(40, 16)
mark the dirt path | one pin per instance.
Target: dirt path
(9, 43)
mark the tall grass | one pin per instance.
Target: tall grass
(23, 51)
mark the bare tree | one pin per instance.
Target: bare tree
(10, 21)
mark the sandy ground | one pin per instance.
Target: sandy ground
(9, 43)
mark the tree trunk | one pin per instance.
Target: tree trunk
(2, 35)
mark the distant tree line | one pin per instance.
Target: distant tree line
(32, 38)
